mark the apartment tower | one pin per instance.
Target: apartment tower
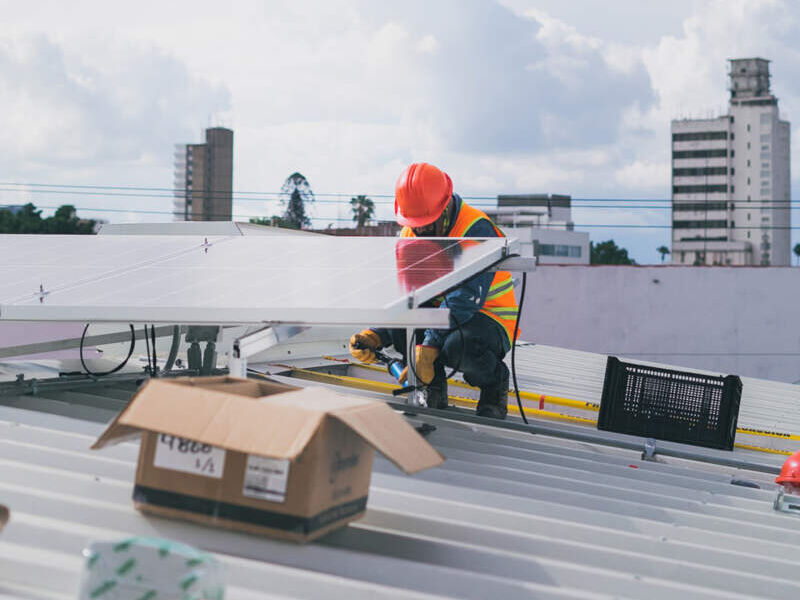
(731, 178)
(204, 178)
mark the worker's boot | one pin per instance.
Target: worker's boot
(493, 401)
(437, 389)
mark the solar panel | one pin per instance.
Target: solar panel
(232, 280)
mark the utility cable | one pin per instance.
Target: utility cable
(147, 344)
(173, 349)
(115, 369)
(155, 359)
(514, 345)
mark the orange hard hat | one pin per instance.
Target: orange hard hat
(421, 261)
(790, 472)
(421, 194)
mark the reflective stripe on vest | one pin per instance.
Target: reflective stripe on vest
(500, 303)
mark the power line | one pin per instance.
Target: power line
(350, 220)
(337, 197)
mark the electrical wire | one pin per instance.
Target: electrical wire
(115, 369)
(554, 226)
(410, 361)
(155, 358)
(514, 345)
(147, 345)
(173, 349)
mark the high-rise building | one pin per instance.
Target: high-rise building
(204, 178)
(731, 178)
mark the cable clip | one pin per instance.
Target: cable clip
(649, 452)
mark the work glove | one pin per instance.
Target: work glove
(364, 344)
(425, 357)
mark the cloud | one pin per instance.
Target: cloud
(428, 44)
(108, 103)
(643, 175)
(535, 84)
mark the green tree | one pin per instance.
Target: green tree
(295, 193)
(663, 251)
(608, 253)
(363, 210)
(29, 220)
(796, 251)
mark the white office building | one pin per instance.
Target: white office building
(731, 178)
(543, 225)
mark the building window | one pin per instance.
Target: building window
(700, 135)
(748, 127)
(733, 189)
(697, 171)
(732, 136)
(748, 162)
(765, 147)
(733, 171)
(698, 189)
(766, 118)
(733, 225)
(731, 153)
(718, 153)
(748, 181)
(765, 165)
(559, 250)
(698, 206)
(765, 138)
(699, 224)
(748, 235)
(765, 173)
(748, 216)
(748, 198)
(748, 145)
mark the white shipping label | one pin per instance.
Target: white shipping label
(180, 454)
(266, 478)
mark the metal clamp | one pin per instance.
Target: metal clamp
(649, 452)
(787, 503)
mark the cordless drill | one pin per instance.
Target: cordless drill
(417, 395)
(395, 366)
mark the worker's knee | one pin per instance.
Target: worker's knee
(460, 350)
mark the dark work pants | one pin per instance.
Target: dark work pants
(477, 351)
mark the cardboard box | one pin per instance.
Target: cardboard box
(260, 456)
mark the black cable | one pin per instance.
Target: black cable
(147, 345)
(173, 349)
(115, 369)
(514, 345)
(155, 359)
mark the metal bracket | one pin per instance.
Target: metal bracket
(787, 503)
(515, 263)
(251, 344)
(649, 452)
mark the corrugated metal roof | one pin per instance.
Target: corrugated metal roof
(509, 514)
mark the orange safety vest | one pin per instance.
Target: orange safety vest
(500, 303)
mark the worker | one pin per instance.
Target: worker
(483, 310)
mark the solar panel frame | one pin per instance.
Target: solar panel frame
(305, 280)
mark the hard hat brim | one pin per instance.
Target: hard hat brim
(421, 220)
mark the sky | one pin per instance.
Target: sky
(507, 96)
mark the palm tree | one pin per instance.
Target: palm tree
(363, 210)
(796, 251)
(663, 251)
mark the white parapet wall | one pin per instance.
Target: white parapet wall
(739, 320)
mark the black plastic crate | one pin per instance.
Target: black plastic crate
(690, 408)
